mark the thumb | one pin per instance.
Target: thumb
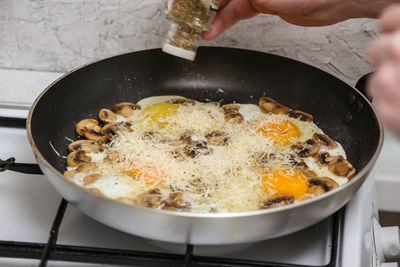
(234, 11)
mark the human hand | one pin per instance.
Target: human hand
(298, 12)
(384, 54)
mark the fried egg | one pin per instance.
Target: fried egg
(180, 154)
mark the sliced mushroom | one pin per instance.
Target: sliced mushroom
(277, 202)
(230, 108)
(217, 138)
(90, 179)
(234, 118)
(186, 137)
(325, 183)
(197, 148)
(113, 157)
(303, 168)
(113, 128)
(232, 114)
(75, 158)
(343, 168)
(69, 174)
(87, 167)
(87, 124)
(107, 116)
(96, 135)
(326, 159)
(177, 155)
(127, 200)
(309, 148)
(325, 141)
(270, 105)
(125, 109)
(337, 164)
(85, 145)
(303, 116)
(182, 101)
(175, 202)
(150, 199)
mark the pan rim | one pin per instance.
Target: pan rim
(355, 179)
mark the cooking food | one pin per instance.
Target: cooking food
(174, 153)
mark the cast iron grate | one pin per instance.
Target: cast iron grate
(51, 251)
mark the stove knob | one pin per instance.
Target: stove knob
(390, 242)
(387, 241)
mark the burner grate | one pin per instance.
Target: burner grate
(51, 251)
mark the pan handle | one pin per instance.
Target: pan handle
(27, 168)
(361, 85)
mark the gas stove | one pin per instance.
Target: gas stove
(39, 228)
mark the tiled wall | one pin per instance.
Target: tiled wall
(58, 35)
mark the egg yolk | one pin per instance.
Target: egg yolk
(285, 182)
(281, 132)
(158, 113)
(137, 174)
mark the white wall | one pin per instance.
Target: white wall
(58, 35)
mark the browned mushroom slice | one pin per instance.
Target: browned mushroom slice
(325, 140)
(337, 164)
(343, 168)
(127, 200)
(304, 169)
(75, 158)
(234, 117)
(69, 174)
(270, 105)
(303, 116)
(90, 179)
(125, 109)
(177, 155)
(87, 124)
(325, 183)
(230, 108)
(277, 202)
(197, 148)
(217, 138)
(150, 199)
(309, 148)
(325, 158)
(96, 135)
(87, 167)
(182, 101)
(186, 137)
(107, 116)
(113, 157)
(85, 145)
(232, 114)
(175, 202)
(110, 129)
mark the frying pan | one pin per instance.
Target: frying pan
(340, 110)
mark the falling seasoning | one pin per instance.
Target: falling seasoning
(189, 18)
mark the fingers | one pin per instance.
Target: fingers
(232, 12)
(390, 18)
(384, 87)
(385, 84)
(386, 48)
